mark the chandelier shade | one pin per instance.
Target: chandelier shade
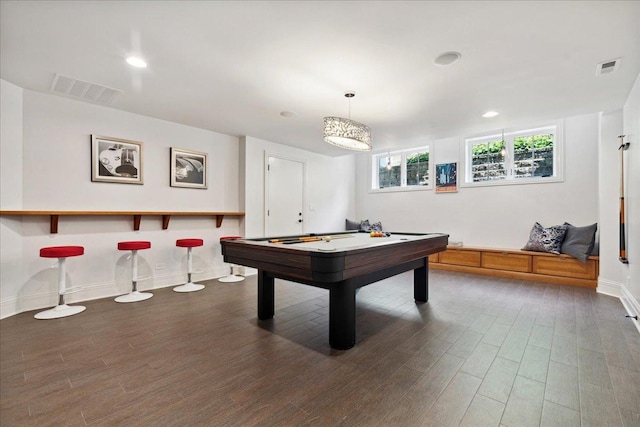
(347, 133)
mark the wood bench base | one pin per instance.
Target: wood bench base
(517, 264)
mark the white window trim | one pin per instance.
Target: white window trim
(373, 168)
(558, 157)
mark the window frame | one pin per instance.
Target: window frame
(556, 128)
(374, 176)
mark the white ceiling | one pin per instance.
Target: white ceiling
(232, 67)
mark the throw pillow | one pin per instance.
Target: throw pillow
(352, 225)
(546, 239)
(579, 241)
(364, 225)
(376, 226)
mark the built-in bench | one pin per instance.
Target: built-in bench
(518, 264)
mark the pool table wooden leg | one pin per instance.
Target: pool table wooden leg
(421, 282)
(342, 316)
(265, 296)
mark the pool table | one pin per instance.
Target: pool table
(340, 262)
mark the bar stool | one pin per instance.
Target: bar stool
(134, 295)
(189, 244)
(232, 277)
(62, 309)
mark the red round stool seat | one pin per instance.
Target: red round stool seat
(62, 309)
(61, 251)
(134, 246)
(231, 278)
(189, 244)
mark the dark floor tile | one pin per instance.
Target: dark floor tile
(564, 349)
(483, 412)
(541, 336)
(562, 385)
(452, 404)
(535, 363)
(480, 360)
(554, 415)
(626, 388)
(524, 407)
(498, 381)
(483, 351)
(593, 368)
(598, 406)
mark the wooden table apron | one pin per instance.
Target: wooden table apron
(341, 272)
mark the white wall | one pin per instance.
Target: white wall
(57, 176)
(499, 216)
(11, 145)
(10, 186)
(330, 186)
(631, 121)
(45, 152)
(612, 272)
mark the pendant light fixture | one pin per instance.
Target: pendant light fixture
(347, 133)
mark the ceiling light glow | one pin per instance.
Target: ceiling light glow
(489, 114)
(136, 62)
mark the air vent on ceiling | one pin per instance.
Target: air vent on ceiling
(86, 91)
(608, 67)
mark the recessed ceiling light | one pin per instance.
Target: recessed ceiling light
(490, 114)
(136, 62)
(447, 58)
(288, 114)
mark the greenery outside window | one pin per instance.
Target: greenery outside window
(514, 157)
(401, 170)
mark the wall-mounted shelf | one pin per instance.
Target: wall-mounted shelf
(137, 216)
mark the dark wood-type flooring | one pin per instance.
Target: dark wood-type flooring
(482, 352)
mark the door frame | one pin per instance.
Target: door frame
(265, 212)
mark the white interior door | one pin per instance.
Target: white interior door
(285, 197)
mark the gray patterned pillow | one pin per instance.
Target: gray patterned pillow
(376, 226)
(364, 225)
(546, 239)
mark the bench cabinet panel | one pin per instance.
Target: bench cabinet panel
(567, 267)
(507, 261)
(460, 257)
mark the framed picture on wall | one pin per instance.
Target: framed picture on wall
(188, 168)
(116, 160)
(447, 178)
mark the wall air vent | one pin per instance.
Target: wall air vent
(608, 67)
(85, 91)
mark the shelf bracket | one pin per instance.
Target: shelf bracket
(136, 222)
(165, 221)
(219, 219)
(53, 226)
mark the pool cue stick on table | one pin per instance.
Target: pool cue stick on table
(306, 239)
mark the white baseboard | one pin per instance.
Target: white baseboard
(91, 291)
(609, 287)
(618, 290)
(631, 305)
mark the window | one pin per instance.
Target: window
(401, 170)
(515, 157)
